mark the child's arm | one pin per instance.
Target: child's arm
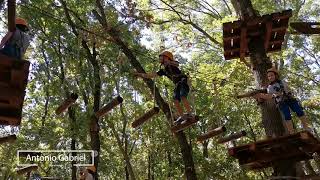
(5, 39)
(146, 75)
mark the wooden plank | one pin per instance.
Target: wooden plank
(263, 153)
(243, 42)
(180, 127)
(27, 169)
(138, 122)
(113, 103)
(8, 139)
(211, 133)
(232, 137)
(306, 27)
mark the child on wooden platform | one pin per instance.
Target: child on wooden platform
(280, 92)
(181, 90)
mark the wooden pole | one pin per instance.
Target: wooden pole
(145, 117)
(9, 139)
(27, 169)
(113, 103)
(232, 137)
(11, 15)
(211, 133)
(67, 103)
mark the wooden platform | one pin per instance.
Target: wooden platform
(261, 154)
(181, 127)
(272, 27)
(13, 80)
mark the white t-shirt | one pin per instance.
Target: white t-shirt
(89, 177)
(278, 89)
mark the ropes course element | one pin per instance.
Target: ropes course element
(8, 139)
(27, 169)
(138, 122)
(113, 103)
(211, 133)
(67, 103)
(232, 137)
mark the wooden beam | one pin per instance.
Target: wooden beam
(306, 27)
(67, 103)
(8, 139)
(243, 42)
(232, 137)
(145, 117)
(27, 169)
(11, 15)
(181, 127)
(113, 103)
(211, 133)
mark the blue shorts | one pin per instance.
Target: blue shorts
(11, 51)
(181, 90)
(294, 106)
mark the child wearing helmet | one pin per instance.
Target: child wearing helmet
(15, 43)
(171, 70)
(280, 92)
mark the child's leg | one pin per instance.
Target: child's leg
(284, 108)
(178, 107)
(184, 90)
(186, 104)
(177, 99)
(297, 108)
(289, 126)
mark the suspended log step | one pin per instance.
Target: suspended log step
(113, 103)
(271, 27)
(8, 139)
(27, 169)
(211, 133)
(67, 103)
(138, 122)
(180, 127)
(261, 154)
(232, 137)
(306, 27)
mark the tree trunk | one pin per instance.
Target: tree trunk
(72, 116)
(271, 117)
(205, 151)
(116, 38)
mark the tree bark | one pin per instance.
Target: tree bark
(92, 58)
(271, 117)
(116, 38)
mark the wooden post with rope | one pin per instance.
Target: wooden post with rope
(67, 103)
(113, 103)
(138, 122)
